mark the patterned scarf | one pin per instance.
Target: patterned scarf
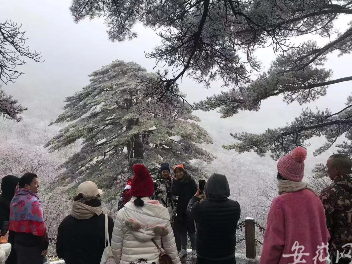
(286, 186)
(26, 213)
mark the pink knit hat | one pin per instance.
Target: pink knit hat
(291, 166)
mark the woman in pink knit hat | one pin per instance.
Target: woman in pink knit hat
(296, 227)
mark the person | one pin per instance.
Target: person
(5, 248)
(125, 196)
(296, 220)
(184, 187)
(163, 192)
(81, 235)
(337, 201)
(216, 218)
(141, 221)
(9, 186)
(27, 221)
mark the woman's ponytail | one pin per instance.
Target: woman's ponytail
(139, 202)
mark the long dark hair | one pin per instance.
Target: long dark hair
(8, 186)
(279, 177)
(138, 202)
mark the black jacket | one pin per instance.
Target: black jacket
(82, 241)
(216, 219)
(184, 189)
(5, 216)
(8, 186)
(4, 210)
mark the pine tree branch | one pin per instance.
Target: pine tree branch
(277, 26)
(321, 125)
(197, 38)
(343, 110)
(226, 99)
(321, 51)
(311, 86)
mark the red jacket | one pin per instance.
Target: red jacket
(295, 219)
(127, 194)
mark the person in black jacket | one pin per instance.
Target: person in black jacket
(216, 219)
(81, 235)
(9, 185)
(184, 188)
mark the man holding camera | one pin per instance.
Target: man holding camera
(216, 219)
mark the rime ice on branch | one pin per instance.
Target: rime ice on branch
(13, 52)
(119, 121)
(210, 40)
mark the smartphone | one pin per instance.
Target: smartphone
(5, 228)
(201, 185)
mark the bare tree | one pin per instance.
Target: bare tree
(13, 51)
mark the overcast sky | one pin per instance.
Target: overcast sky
(72, 51)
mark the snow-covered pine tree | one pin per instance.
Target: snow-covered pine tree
(119, 120)
(9, 107)
(207, 39)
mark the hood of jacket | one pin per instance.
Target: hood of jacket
(8, 186)
(145, 233)
(4, 202)
(217, 188)
(146, 222)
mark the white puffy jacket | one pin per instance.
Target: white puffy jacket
(5, 250)
(134, 229)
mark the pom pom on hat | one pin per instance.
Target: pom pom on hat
(140, 171)
(142, 183)
(291, 166)
(299, 154)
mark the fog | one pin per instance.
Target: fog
(72, 51)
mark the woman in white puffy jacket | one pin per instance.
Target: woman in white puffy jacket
(5, 250)
(140, 221)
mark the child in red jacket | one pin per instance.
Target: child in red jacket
(126, 195)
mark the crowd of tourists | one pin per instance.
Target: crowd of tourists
(157, 218)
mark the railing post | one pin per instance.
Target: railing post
(250, 238)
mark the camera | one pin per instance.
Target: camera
(201, 185)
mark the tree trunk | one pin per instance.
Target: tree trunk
(135, 148)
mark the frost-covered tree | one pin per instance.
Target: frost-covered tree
(209, 39)
(13, 51)
(118, 122)
(9, 107)
(19, 158)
